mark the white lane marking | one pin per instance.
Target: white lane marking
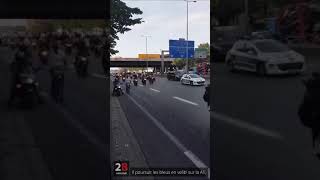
(141, 85)
(91, 138)
(174, 139)
(197, 161)
(154, 90)
(244, 125)
(99, 75)
(186, 101)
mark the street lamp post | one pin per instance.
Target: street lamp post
(187, 59)
(146, 49)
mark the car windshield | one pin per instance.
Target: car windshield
(271, 46)
(194, 76)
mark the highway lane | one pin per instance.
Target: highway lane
(184, 102)
(181, 110)
(72, 136)
(257, 133)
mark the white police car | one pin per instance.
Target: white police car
(264, 56)
(192, 79)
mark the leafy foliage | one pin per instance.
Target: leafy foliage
(180, 63)
(120, 21)
(205, 46)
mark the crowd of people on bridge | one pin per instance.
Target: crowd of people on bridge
(54, 52)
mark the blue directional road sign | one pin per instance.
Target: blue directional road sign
(177, 48)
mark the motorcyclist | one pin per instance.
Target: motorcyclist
(143, 78)
(135, 79)
(309, 110)
(116, 83)
(96, 44)
(57, 69)
(83, 51)
(128, 85)
(43, 50)
(28, 45)
(68, 45)
(22, 63)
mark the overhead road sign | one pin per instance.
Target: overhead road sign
(178, 48)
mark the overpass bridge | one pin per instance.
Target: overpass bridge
(137, 62)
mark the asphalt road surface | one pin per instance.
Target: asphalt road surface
(257, 133)
(171, 123)
(72, 136)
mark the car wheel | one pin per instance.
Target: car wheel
(261, 69)
(191, 83)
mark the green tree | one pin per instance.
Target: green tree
(120, 21)
(179, 63)
(205, 46)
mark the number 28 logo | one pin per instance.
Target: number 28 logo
(121, 168)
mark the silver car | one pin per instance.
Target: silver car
(264, 56)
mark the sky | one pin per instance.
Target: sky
(164, 20)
